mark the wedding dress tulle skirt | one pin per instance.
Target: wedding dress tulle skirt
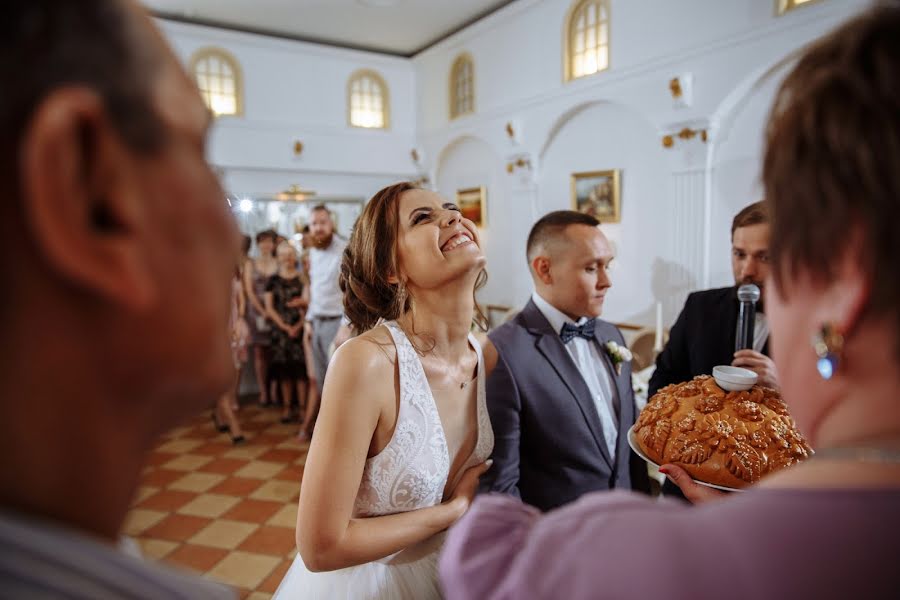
(408, 575)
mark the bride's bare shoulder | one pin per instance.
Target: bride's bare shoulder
(368, 353)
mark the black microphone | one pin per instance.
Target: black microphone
(748, 296)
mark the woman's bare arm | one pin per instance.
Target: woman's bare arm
(273, 314)
(248, 288)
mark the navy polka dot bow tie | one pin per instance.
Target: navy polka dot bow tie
(570, 331)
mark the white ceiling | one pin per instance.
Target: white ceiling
(402, 27)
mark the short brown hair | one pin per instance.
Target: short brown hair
(552, 224)
(266, 234)
(370, 258)
(832, 154)
(755, 214)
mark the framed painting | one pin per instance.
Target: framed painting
(597, 193)
(471, 203)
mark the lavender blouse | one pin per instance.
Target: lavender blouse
(764, 543)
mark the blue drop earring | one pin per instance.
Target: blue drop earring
(828, 344)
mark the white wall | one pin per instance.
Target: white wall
(470, 162)
(677, 203)
(597, 136)
(297, 91)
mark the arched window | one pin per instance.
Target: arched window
(368, 103)
(587, 38)
(218, 78)
(462, 86)
(786, 5)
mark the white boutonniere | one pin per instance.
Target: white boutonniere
(618, 354)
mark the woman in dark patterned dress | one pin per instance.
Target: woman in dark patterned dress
(286, 298)
(256, 274)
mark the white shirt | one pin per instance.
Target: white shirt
(325, 299)
(593, 370)
(760, 331)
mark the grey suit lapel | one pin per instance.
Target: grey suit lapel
(551, 347)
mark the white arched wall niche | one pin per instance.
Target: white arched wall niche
(736, 158)
(603, 135)
(469, 162)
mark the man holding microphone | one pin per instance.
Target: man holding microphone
(707, 329)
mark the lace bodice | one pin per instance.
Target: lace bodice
(412, 470)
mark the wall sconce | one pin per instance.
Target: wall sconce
(682, 90)
(518, 163)
(294, 193)
(417, 155)
(298, 148)
(513, 131)
(675, 87)
(685, 134)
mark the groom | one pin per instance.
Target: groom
(559, 395)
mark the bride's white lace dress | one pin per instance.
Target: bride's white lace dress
(410, 473)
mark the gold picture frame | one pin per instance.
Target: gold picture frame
(598, 193)
(472, 204)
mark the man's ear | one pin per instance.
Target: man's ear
(82, 200)
(541, 268)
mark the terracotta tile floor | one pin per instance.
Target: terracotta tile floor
(224, 511)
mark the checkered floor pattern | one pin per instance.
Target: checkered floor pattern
(227, 512)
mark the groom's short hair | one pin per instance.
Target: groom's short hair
(550, 229)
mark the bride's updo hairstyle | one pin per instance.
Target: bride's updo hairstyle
(370, 260)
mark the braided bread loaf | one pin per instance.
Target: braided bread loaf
(726, 438)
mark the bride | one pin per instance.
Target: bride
(403, 433)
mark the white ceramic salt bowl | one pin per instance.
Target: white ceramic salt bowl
(734, 379)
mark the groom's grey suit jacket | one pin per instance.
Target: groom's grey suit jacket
(549, 448)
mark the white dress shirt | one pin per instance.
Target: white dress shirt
(760, 331)
(325, 298)
(593, 370)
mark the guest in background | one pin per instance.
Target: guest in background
(312, 391)
(286, 299)
(560, 394)
(116, 249)
(224, 417)
(244, 330)
(256, 274)
(325, 308)
(246, 244)
(827, 528)
(704, 334)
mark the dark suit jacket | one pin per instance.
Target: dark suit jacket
(548, 444)
(701, 338)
